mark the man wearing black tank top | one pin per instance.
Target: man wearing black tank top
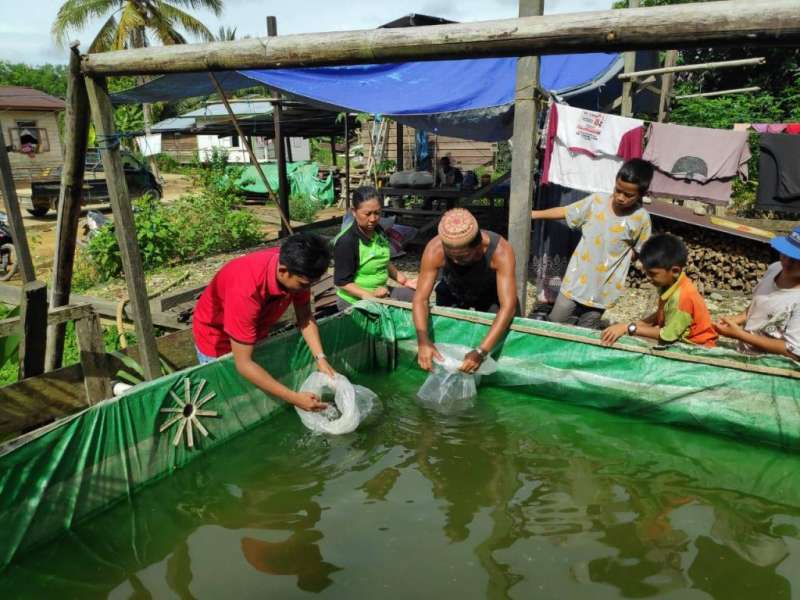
(477, 272)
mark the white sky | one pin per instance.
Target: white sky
(25, 24)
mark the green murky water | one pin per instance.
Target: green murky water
(520, 497)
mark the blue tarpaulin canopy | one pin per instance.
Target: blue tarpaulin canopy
(471, 98)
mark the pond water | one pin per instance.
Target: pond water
(519, 497)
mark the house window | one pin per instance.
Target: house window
(28, 138)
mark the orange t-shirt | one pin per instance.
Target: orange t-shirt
(683, 315)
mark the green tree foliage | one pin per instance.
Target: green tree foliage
(50, 79)
(133, 23)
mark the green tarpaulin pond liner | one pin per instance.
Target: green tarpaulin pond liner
(54, 477)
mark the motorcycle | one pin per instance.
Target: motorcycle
(8, 253)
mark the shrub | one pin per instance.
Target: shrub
(155, 233)
(302, 209)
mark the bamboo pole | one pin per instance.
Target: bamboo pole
(15, 223)
(723, 64)
(76, 128)
(249, 149)
(523, 158)
(743, 90)
(728, 22)
(124, 225)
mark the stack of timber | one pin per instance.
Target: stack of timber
(716, 260)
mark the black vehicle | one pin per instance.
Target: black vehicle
(8, 253)
(45, 192)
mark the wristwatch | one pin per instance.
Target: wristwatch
(320, 356)
(632, 329)
(481, 353)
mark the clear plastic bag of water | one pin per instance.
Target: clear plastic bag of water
(349, 405)
(448, 390)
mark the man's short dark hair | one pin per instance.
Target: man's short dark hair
(637, 171)
(305, 254)
(664, 251)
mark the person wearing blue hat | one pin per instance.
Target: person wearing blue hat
(772, 322)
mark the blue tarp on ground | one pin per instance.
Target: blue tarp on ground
(470, 98)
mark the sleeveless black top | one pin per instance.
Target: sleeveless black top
(473, 284)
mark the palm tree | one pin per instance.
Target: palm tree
(226, 34)
(134, 23)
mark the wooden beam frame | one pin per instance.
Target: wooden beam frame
(33, 334)
(686, 25)
(523, 159)
(15, 223)
(94, 362)
(76, 133)
(629, 58)
(124, 225)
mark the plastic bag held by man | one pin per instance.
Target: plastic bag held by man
(447, 389)
(350, 404)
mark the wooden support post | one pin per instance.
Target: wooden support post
(280, 157)
(627, 84)
(400, 158)
(14, 215)
(346, 161)
(333, 150)
(667, 80)
(33, 338)
(288, 149)
(94, 361)
(76, 132)
(522, 158)
(280, 149)
(124, 226)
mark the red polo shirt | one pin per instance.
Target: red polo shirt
(242, 302)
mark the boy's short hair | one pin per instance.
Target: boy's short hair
(664, 251)
(305, 254)
(638, 171)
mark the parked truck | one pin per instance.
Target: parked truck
(45, 192)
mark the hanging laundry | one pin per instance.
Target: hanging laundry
(793, 128)
(769, 127)
(696, 162)
(585, 149)
(779, 172)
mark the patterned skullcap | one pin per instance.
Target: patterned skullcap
(457, 228)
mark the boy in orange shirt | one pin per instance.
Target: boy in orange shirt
(682, 314)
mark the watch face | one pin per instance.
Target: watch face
(632, 328)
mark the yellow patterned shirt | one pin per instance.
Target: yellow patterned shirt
(597, 270)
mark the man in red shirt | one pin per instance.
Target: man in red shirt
(248, 296)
